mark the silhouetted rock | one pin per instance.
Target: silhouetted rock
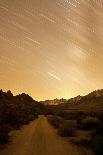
(15, 111)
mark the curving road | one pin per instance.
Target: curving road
(39, 138)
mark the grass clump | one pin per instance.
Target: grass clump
(89, 123)
(68, 128)
(55, 120)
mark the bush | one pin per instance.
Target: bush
(55, 120)
(82, 142)
(90, 123)
(67, 115)
(68, 128)
(4, 133)
(15, 111)
(97, 139)
(97, 144)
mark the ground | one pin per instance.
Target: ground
(39, 138)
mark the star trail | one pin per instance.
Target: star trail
(51, 48)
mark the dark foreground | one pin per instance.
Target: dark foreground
(39, 138)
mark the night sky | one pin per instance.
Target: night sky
(51, 48)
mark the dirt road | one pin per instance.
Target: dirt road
(39, 138)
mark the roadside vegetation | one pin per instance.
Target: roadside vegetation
(16, 111)
(82, 128)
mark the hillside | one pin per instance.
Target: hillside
(54, 102)
(16, 111)
(92, 101)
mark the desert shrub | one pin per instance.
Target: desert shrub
(55, 120)
(68, 128)
(15, 111)
(97, 139)
(71, 115)
(4, 133)
(67, 115)
(97, 144)
(81, 142)
(48, 111)
(90, 123)
(100, 116)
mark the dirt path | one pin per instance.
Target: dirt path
(39, 138)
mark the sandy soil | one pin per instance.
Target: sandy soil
(39, 138)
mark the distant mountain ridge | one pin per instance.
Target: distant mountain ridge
(92, 102)
(96, 93)
(75, 99)
(54, 102)
(91, 97)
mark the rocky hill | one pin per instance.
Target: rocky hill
(91, 101)
(54, 102)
